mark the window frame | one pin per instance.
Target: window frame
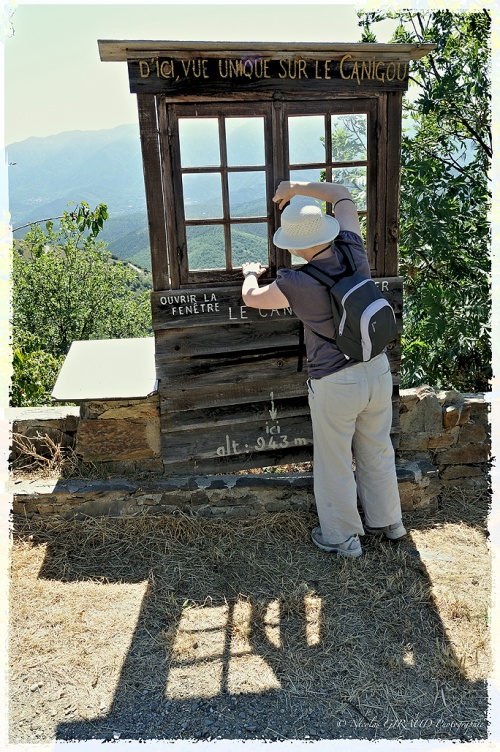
(275, 115)
(352, 106)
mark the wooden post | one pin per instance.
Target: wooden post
(154, 190)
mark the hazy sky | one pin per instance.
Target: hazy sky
(55, 81)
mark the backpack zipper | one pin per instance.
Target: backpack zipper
(342, 302)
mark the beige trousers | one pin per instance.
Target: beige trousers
(352, 414)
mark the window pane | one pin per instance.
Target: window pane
(354, 178)
(202, 196)
(311, 176)
(349, 138)
(245, 141)
(247, 194)
(199, 141)
(206, 248)
(307, 139)
(249, 243)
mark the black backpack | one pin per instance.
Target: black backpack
(364, 320)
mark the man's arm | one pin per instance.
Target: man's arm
(268, 296)
(334, 193)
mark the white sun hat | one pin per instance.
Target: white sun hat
(304, 226)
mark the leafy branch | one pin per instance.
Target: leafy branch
(67, 287)
(82, 216)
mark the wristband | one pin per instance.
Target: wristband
(247, 274)
(342, 199)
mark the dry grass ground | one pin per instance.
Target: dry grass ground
(188, 628)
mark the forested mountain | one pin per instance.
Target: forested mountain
(106, 167)
(94, 166)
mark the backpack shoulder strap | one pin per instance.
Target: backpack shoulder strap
(346, 252)
(320, 276)
(327, 279)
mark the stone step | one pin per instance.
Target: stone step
(217, 496)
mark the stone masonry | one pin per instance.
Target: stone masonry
(445, 440)
(223, 496)
(449, 429)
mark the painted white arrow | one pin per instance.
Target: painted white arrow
(273, 412)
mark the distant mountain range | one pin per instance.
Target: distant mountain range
(94, 166)
(105, 166)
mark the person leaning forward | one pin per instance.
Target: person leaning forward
(350, 401)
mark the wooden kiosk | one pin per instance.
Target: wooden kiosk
(221, 124)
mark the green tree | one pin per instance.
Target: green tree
(66, 287)
(445, 197)
(35, 371)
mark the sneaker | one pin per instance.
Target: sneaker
(393, 532)
(350, 547)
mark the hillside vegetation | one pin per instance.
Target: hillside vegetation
(66, 287)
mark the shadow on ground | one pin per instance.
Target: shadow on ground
(247, 631)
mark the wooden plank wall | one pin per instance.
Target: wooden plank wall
(231, 395)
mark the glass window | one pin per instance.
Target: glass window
(206, 247)
(354, 179)
(199, 142)
(249, 243)
(247, 194)
(349, 138)
(224, 181)
(311, 176)
(202, 195)
(225, 174)
(245, 141)
(306, 136)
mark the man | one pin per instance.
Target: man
(350, 401)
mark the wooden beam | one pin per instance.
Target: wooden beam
(194, 341)
(154, 191)
(393, 172)
(121, 50)
(169, 169)
(224, 305)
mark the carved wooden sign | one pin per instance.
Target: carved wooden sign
(219, 305)
(200, 74)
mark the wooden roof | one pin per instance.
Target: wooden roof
(123, 50)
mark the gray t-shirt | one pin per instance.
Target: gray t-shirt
(310, 301)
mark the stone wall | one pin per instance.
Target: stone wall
(125, 433)
(451, 430)
(448, 429)
(59, 424)
(445, 440)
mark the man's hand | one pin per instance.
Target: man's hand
(284, 193)
(253, 267)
